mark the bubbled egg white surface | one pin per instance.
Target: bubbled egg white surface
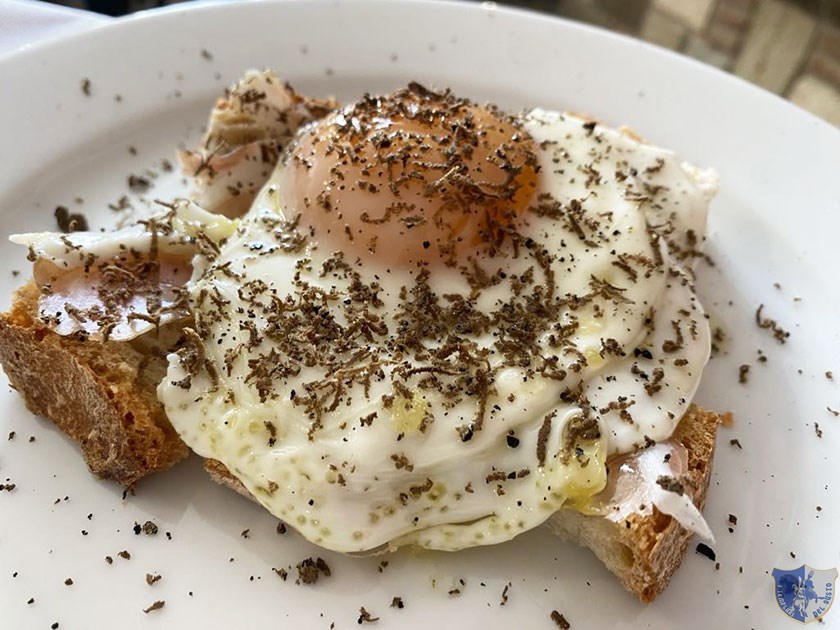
(373, 472)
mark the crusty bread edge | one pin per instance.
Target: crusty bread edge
(644, 551)
(220, 474)
(101, 394)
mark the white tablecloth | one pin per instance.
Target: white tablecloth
(25, 22)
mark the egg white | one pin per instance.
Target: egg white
(341, 485)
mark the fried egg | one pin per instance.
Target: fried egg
(438, 320)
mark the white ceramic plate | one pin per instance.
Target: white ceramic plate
(773, 233)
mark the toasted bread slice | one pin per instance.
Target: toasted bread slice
(642, 551)
(101, 394)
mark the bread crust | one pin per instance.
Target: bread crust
(643, 551)
(101, 394)
(220, 474)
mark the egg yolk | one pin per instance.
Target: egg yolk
(413, 177)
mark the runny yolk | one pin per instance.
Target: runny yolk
(413, 177)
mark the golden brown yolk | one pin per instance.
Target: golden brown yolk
(416, 176)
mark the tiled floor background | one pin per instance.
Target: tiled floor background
(790, 47)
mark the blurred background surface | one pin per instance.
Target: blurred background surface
(790, 47)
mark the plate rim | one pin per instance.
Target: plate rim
(154, 15)
(147, 17)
